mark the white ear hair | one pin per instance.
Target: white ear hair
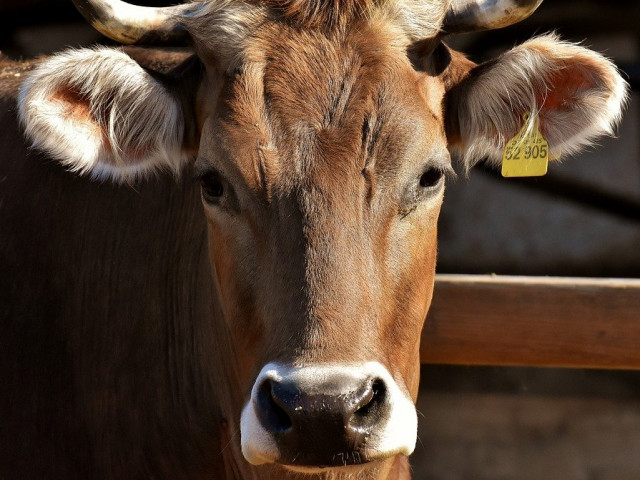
(100, 113)
(578, 95)
(419, 19)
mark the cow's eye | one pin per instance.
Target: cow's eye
(212, 186)
(431, 178)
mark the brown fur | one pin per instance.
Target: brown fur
(327, 15)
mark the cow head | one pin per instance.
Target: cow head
(321, 135)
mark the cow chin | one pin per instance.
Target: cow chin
(348, 471)
(313, 418)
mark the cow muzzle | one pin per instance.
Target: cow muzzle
(326, 416)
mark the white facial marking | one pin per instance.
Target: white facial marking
(397, 433)
(262, 447)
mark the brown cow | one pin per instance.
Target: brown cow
(271, 331)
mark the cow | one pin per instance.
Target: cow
(232, 280)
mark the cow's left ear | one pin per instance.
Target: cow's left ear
(577, 94)
(100, 113)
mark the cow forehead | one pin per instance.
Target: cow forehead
(329, 79)
(306, 102)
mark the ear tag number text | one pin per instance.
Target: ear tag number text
(526, 154)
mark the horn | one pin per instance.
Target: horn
(132, 24)
(471, 15)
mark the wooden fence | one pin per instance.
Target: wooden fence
(534, 321)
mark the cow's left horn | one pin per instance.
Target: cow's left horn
(471, 15)
(132, 24)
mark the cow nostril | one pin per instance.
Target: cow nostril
(372, 403)
(271, 414)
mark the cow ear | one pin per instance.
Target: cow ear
(577, 94)
(100, 113)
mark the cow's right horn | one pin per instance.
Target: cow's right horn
(471, 15)
(132, 24)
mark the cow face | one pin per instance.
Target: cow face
(321, 142)
(322, 175)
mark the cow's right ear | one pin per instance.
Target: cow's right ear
(100, 113)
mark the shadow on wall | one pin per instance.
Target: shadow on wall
(481, 423)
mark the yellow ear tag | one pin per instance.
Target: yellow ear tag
(526, 154)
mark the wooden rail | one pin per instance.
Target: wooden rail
(534, 321)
